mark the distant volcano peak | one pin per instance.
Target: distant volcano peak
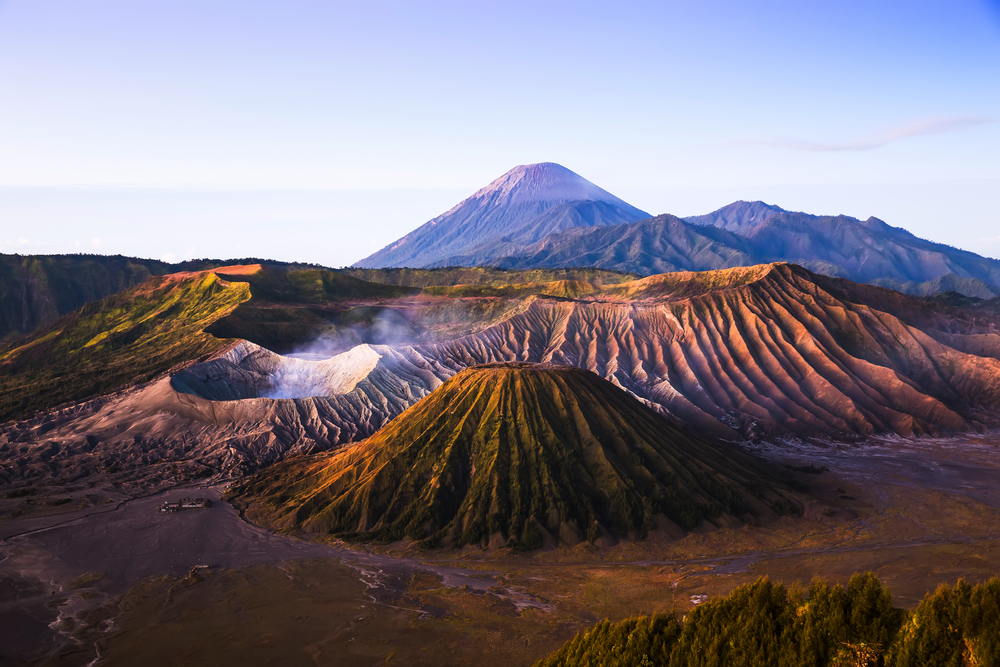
(739, 217)
(543, 182)
(525, 204)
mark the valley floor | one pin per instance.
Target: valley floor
(117, 581)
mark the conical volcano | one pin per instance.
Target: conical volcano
(517, 455)
(522, 206)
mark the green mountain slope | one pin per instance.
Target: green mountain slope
(517, 455)
(292, 308)
(38, 289)
(35, 290)
(133, 335)
(125, 338)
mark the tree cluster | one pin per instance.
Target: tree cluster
(768, 625)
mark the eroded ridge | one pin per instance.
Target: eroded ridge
(772, 350)
(767, 351)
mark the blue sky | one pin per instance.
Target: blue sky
(320, 131)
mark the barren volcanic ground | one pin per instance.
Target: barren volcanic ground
(171, 387)
(917, 513)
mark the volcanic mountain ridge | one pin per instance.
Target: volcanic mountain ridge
(867, 251)
(760, 352)
(522, 206)
(772, 349)
(522, 455)
(545, 216)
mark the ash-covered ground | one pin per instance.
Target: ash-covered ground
(918, 512)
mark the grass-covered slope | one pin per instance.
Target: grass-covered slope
(38, 289)
(517, 455)
(123, 339)
(689, 284)
(293, 308)
(314, 286)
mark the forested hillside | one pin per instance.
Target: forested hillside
(768, 625)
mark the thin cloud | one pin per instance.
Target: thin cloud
(871, 142)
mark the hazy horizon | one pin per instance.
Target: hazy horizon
(351, 125)
(339, 227)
